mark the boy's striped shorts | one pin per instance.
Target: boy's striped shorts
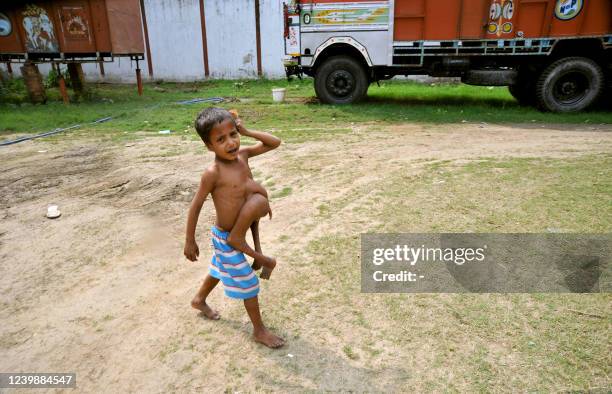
(231, 267)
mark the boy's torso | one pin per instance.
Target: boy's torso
(231, 190)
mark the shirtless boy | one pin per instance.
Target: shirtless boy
(239, 203)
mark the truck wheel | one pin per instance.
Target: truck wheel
(569, 85)
(523, 90)
(606, 96)
(523, 93)
(341, 80)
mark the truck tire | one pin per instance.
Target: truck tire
(341, 80)
(524, 93)
(569, 85)
(524, 88)
(606, 96)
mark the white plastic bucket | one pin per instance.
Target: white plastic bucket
(278, 94)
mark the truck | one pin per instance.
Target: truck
(555, 55)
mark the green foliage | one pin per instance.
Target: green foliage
(13, 91)
(52, 80)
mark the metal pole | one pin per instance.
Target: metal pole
(146, 34)
(62, 84)
(258, 38)
(204, 42)
(138, 78)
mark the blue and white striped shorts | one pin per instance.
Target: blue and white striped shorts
(231, 267)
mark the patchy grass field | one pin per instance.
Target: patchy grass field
(104, 290)
(300, 119)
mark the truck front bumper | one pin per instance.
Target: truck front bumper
(292, 66)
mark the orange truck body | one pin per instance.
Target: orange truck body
(471, 19)
(484, 19)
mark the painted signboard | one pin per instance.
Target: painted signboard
(76, 27)
(501, 13)
(366, 15)
(568, 9)
(38, 29)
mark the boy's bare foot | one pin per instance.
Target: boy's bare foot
(256, 265)
(268, 338)
(205, 309)
(268, 267)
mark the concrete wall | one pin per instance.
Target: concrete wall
(272, 41)
(230, 32)
(175, 38)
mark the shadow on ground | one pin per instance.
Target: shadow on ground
(321, 366)
(455, 100)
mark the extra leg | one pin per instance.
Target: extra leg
(255, 233)
(253, 209)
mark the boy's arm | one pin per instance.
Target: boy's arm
(207, 184)
(266, 143)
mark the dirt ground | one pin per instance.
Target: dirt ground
(104, 290)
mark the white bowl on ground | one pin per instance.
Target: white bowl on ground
(53, 211)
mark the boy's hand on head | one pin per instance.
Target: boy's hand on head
(191, 251)
(240, 127)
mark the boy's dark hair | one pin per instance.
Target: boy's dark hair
(209, 118)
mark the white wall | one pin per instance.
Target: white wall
(175, 37)
(272, 28)
(230, 33)
(121, 70)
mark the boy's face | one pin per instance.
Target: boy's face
(224, 140)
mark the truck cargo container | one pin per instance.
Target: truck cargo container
(555, 54)
(70, 29)
(69, 32)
